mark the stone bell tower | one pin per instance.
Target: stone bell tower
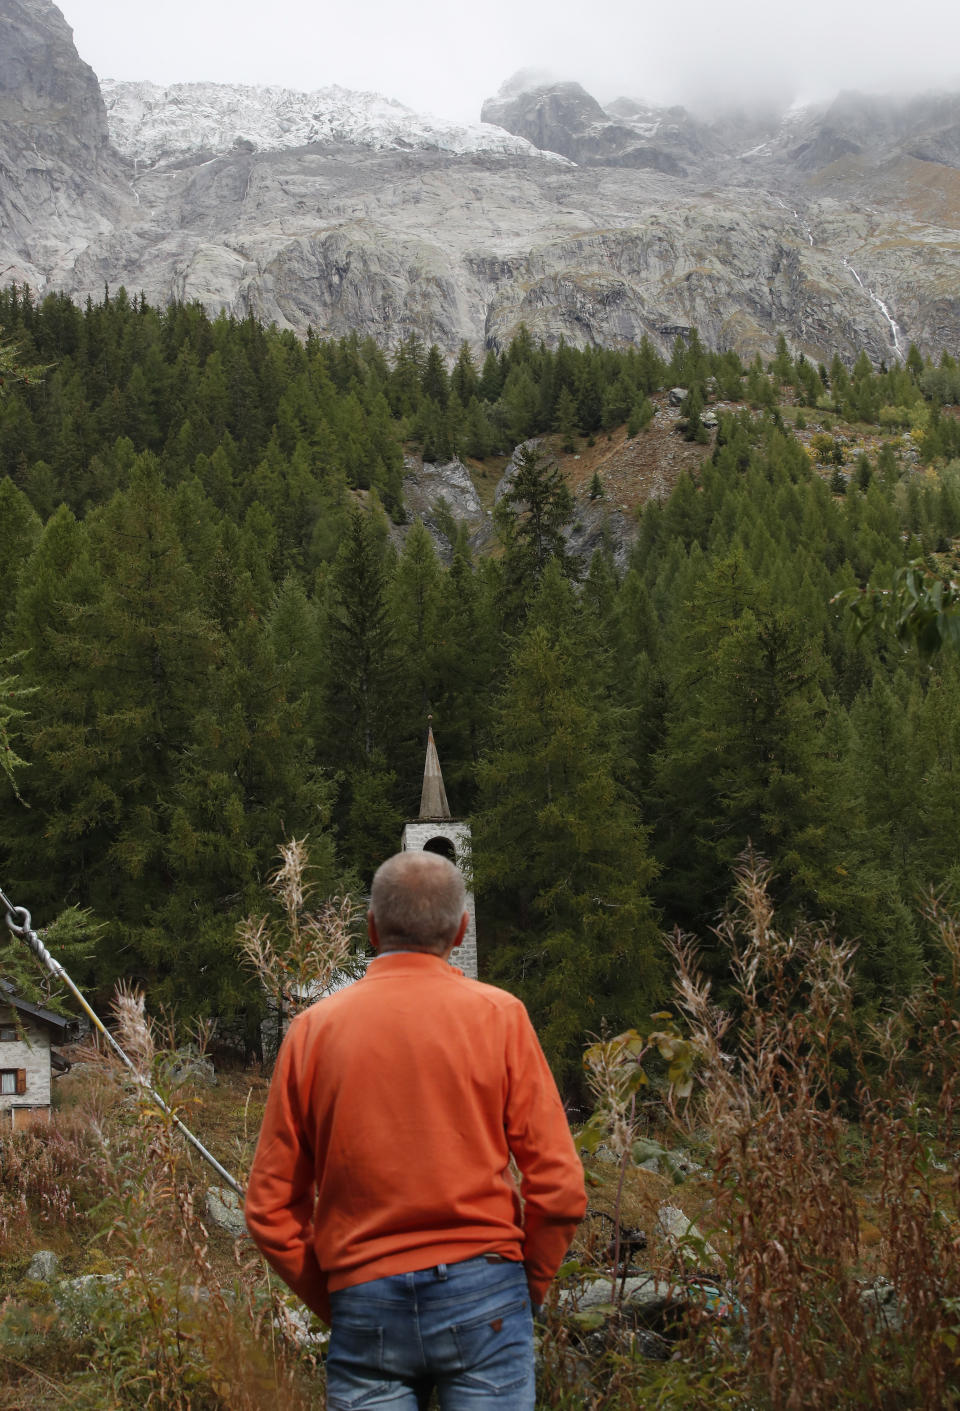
(436, 831)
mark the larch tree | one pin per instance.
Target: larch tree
(560, 855)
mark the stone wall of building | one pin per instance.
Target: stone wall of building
(30, 1052)
(415, 838)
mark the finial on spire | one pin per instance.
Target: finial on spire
(433, 799)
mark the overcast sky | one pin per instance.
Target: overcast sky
(444, 57)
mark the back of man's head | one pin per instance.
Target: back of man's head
(417, 900)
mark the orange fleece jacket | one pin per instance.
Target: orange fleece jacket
(393, 1110)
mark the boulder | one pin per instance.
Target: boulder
(881, 1306)
(655, 1308)
(224, 1211)
(299, 1323)
(444, 497)
(597, 525)
(676, 1164)
(44, 1267)
(85, 1303)
(191, 1066)
(683, 1236)
(644, 1295)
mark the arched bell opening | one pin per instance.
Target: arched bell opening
(443, 846)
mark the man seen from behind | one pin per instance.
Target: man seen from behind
(381, 1189)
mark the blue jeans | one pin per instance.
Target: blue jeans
(465, 1328)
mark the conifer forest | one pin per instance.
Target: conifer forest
(213, 637)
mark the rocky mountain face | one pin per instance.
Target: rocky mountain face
(563, 117)
(838, 226)
(62, 184)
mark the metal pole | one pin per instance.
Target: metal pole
(18, 920)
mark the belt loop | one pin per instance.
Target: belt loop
(441, 1272)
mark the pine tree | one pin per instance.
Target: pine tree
(560, 858)
(247, 779)
(414, 603)
(435, 384)
(405, 378)
(468, 653)
(491, 378)
(21, 528)
(521, 403)
(617, 401)
(743, 759)
(362, 645)
(463, 379)
(530, 517)
(641, 415)
(693, 427)
(651, 369)
(565, 418)
(122, 657)
(479, 437)
(13, 698)
(589, 391)
(782, 366)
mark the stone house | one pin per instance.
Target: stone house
(27, 1057)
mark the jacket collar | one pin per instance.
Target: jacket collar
(408, 962)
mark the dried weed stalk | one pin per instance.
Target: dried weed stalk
(803, 1127)
(134, 1031)
(299, 962)
(910, 1118)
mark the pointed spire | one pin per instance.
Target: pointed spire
(433, 799)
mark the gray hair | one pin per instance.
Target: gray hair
(417, 900)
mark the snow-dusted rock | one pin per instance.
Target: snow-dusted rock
(152, 124)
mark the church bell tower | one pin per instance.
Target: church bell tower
(436, 831)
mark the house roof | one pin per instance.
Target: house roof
(8, 995)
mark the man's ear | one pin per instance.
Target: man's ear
(372, 933)
(461, 931)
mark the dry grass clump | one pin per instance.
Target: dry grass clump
(830, 1196)
(157, 1320)
(782, 1172)
(828, 1199)
(44, 1180)
(164, 1316)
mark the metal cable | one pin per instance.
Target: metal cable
(18, 921)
